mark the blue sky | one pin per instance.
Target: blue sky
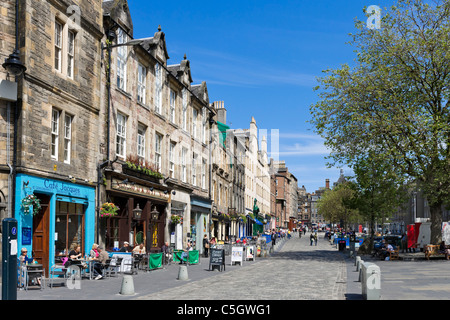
(262, 59)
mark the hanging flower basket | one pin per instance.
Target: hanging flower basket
(175, 219)
(31, 201)
(108, 210)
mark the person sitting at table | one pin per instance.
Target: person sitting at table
(100, 262)
(386, 249)
(140, 249)
(74, 256)
(165, 249)
(23, 258)
(126, 247)
(96, 265)
(443, 249)
(138, 253)
(185, 253)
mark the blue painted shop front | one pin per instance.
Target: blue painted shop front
(66, 217)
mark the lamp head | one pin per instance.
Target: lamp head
(13, 64)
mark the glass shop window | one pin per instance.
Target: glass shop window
(69, 227)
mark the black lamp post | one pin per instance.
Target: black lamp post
(13, 65)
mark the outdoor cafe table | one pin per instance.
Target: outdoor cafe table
(35, 270)
(90, 263)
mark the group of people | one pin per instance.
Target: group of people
(313, 238)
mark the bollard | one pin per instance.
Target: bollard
(358, 264)
(127, 288)
(358, 268)
(183, 273)
(357, 258)
(370, 281)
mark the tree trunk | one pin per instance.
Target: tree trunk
(436, 223)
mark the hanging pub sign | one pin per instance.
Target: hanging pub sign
(217, 258)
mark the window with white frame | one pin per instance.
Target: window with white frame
(172, 160)
(204, 125)
(158, 148)
(183, 165)
(58, 45)
(121, 135)
(194, 169)
(55, 134)
(141, 141)
(70, 53)
(158, 88)
(194, 122)
(184, 111)
(204, 173)
(142, 74)
(67, 137)
(121, 60)
(173, 99)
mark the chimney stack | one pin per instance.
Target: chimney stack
(221, 111)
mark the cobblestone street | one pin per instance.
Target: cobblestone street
(298, 272)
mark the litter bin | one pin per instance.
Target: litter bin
(342, 245)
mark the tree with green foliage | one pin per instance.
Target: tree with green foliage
(335, 205)
(395, 100)
(379, 192)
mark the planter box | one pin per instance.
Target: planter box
(139, 174)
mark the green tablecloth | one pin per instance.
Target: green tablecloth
(155, 261)
(193, 257)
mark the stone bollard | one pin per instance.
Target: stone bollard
(357, 258)
(371, 281)
(127, 288)
(183, 273)
(358, 268)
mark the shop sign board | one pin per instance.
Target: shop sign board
(217, 258)
(237, 255)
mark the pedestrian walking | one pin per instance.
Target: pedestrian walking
(315, 238)
(273, 237)
(311, 239)
(300, 233)
(205, 245)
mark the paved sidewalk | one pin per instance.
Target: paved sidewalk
(297, 271)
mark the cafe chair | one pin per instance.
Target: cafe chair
(108, 269)
(130, 266)
(58, 273)
(115, 265)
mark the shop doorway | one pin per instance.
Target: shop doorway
(41, 232)
(139, 233)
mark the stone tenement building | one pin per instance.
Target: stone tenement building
(158, 140)
(52, 138)
(102, 118)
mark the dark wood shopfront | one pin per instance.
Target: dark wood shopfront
(125, 226)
